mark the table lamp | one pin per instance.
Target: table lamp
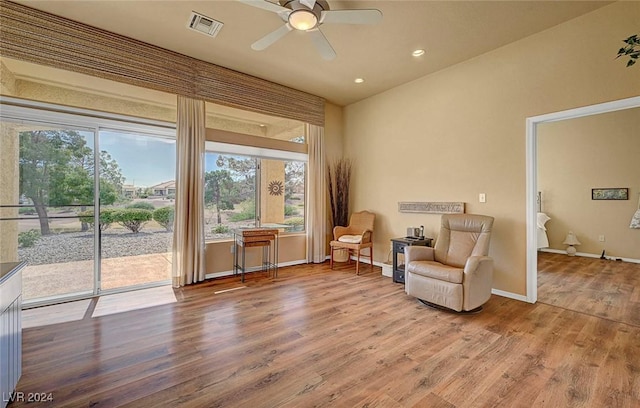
(571, 240)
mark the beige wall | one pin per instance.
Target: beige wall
(577, 155)
(334, 148)
(69, 97)
(271, 206)
(9, 181)
(333, 131)
(461, 131)
(9, 192)
(219, 258)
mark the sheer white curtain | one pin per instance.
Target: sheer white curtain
(188, 234)
(316, 198)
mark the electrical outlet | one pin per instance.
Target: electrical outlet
(601, 238)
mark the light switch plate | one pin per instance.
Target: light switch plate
(482, 197)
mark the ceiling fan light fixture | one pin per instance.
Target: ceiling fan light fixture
(308, 16)
(303, 20)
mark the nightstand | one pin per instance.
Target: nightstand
(398, 248)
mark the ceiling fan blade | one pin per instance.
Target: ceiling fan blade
(270, 38)
(322, 44)
(370, 16)
(309, 3)
(266, 5)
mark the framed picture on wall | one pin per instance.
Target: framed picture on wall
(609, 193)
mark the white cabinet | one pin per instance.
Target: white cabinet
(10, 329)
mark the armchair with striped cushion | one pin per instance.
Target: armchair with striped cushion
(355, 237)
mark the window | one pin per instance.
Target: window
(75, 200)
(252, 187)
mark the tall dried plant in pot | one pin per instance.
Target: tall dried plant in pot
(339, 180)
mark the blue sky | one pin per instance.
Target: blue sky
(144, 160)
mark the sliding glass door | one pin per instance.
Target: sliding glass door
(88, 205)
(47, 183)
(136, 233)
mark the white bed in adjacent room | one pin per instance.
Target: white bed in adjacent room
(543, 239)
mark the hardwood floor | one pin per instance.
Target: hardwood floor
(603, 288)
(316, 337)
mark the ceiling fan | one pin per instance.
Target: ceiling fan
(308, 15)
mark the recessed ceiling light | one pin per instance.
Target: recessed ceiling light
(418, 53)
(358, 80)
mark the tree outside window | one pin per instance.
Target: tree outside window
(242, 191)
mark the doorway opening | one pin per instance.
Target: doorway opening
(532, 178)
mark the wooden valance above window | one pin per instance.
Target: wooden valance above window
(35, 36)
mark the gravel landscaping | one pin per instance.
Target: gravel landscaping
(78, 246)
(116, 242)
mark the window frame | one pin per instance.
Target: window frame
(261, 153)
(23, 111)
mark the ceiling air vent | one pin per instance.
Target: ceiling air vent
(204, 24)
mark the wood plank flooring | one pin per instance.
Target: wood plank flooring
(599, 287)
(323, 338)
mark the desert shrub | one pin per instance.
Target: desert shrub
(220, 229)
(290, 210)
(297, 223)
(133, 219)
(29, 238)
(142, 205)
(106, 217)
(86, 217)
(247, 212)
(164, 216)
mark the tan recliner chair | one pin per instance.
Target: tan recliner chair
(457, 273)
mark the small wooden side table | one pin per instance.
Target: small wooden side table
(398, 248)
(256, 237)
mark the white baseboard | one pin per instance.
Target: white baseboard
(362, 260)
(497, 292)
(252, 269)
(510, 295)
(588, 255)
(553, 251)
(291, 263)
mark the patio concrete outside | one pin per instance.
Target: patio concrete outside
(39, 281)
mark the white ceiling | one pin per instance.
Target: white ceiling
(449, 31)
